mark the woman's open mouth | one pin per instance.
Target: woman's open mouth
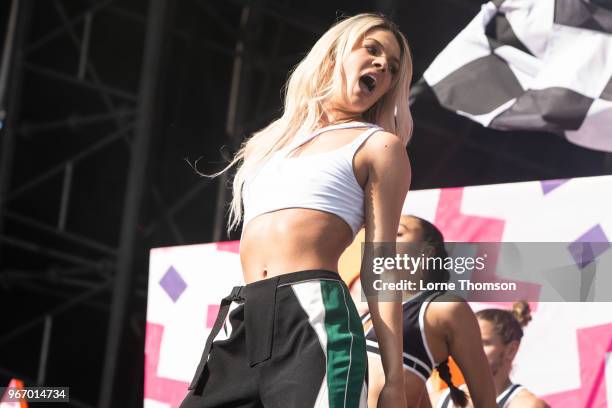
(367, 83)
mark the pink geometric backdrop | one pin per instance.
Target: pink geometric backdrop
(564, 356)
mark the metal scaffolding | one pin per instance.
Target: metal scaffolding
(81, 267)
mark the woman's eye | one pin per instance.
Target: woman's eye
(393, 70)
(371, 50)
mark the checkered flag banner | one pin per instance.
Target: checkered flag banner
(541, 65)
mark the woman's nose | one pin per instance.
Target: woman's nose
(381, 63)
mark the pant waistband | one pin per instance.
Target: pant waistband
(240, 293)
(296, 277)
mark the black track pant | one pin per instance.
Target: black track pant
(295, 341)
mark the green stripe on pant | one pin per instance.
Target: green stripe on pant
(346, 355)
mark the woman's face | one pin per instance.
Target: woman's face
(409, 230)
(499, 355)
(370, 70)
(492, 345)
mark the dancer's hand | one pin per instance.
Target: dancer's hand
(392, 396)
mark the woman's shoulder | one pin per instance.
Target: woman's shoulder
(449, 308)
(448, 301)
(381, 139)
(383, 145)
(525, 398)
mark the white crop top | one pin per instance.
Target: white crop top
(321, 181)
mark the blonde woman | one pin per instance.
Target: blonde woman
(334, 161)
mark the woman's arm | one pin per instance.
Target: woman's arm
(386, 187)
(465, 346)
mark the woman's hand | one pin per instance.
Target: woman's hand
(392, 395)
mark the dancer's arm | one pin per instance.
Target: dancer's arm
(386, 188)
(465, 346)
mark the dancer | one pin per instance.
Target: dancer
(436, 326)
(501, 332)
(334, 161)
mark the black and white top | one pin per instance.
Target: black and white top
(417, 356)
(503, 399)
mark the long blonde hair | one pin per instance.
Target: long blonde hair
(313, 81)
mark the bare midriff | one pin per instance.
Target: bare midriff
(291, 240)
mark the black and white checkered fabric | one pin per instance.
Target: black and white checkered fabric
(533, 65)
